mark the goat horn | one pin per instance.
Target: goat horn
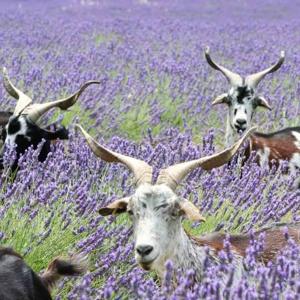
(173, 175)
(35, 111)
(23, 100)
(141, 170)
(254, 79)
(233, 78)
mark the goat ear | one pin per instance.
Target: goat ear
(188, 209)
(261, 101)
(221, 99)
(115, 208)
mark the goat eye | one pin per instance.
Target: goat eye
(163, 205)
(175, 213)
(235, 111)
(130, 212)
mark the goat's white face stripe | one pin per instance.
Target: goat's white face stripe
(11, 138)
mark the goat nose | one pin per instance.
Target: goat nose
(144, 250)
(241, 121)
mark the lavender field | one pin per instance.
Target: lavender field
(153, 103)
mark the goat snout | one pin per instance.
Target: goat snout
(240, 125)
(144, 250)
(241, 122)
(63, 133)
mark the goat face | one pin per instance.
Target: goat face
(156, 213)
(16, 131)
(241, 103)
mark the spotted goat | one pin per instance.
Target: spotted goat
(19, 282)
(241, 99)
(271, 148)
(21, 126)
(157, 211)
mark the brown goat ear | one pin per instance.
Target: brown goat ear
(115, 208)
(262, 102)
(221, 99)
(188, 209)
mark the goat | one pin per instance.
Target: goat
(242, 102)
(156, 210)
(4, 119)
(22, 129)
(241, 99)
(19, 282)
(271, 148)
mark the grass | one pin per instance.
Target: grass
(57, 243)
(76, 112)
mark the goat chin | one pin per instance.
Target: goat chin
(146, 267)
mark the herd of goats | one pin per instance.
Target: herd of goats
(155, 209)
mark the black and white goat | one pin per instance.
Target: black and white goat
(22, 129)
(271, 148)
(19, 282)
(157, 211)
(241, 99)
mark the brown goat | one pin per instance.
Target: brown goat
(274, 240)
(277, 146)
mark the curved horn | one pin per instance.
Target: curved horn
(173, 175)
(23, 100)
(233, 78)
(35, 111)
(254, 79)
(141, 170)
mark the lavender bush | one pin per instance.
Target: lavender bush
(154, 103)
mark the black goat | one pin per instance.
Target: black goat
(19, 282)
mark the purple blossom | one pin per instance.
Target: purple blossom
(154, 103)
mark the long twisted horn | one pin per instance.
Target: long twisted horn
(173, 175)
(254, 79)
(35, 111)
(141, 170)
(233, 78)
(23, 100)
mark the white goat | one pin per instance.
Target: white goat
(157, 211)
